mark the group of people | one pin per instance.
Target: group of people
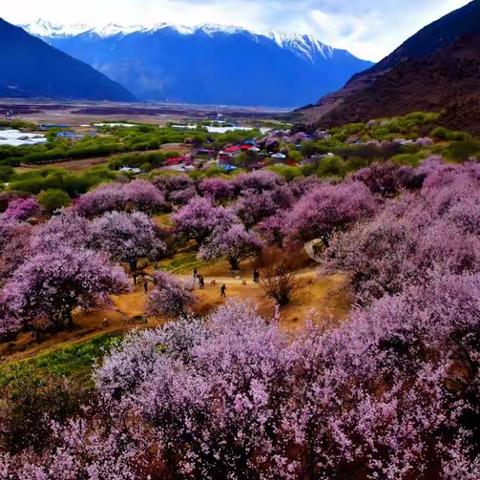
(197, 277)
(223, 289)
(143, 279)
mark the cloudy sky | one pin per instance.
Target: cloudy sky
(368, 28)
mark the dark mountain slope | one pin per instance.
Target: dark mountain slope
(437, 69)
(439, 34)
(32, 68)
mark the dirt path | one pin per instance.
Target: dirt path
(326, 296)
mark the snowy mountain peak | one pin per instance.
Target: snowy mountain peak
(112, 29)
(44, 28)
(303, 45)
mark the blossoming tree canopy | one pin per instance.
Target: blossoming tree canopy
(170, 297)
(329, 208)
(199, 218)
(126, 237)
(138, 195)
(50, 285)
(22, 209)
(233, 243)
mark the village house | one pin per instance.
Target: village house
(279, 157)
(226, 156)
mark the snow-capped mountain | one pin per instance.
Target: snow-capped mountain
(207, 63)
(304, 45)
(43, 28)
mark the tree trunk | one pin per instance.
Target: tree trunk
(68, 319)
(132, 263)
(234, 264)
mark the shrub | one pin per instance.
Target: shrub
(53, 199)
(332, 167)
(28, 406)
(279, 284)
(463, 150)
(287, 172)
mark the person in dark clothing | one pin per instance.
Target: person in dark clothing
(201, 282)
(256, 276)
(223, 291)
(145, 286)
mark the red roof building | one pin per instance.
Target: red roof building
(232, 149)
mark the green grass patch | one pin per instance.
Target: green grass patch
(73, 362)
(183, 262)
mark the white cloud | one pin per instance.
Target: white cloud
(368, 28)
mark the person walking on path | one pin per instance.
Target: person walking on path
(201, 282)
(195, 275)
(145, 286)
(223, 291)
(256, 276)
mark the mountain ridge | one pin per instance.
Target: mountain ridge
(434, 70)
(33, 68)
(46, 29)
(208, 64)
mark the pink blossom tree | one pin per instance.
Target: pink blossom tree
(272, 229)
(10, 324)
(199, 218)
(65, 229)
(51, 285)
(253, 207)
(177, 189)
(328, 209)
(216, 188)
(105, 198)
(126, 237)
(21, 209)
(183, 196)
(170, 298)
(137, 195)
(233, 243)
(400, 247)
(388, 180)
(257, 181)
(302, 185)
(15, 247)
(171, 183)
(143, 196)
(233, 371)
